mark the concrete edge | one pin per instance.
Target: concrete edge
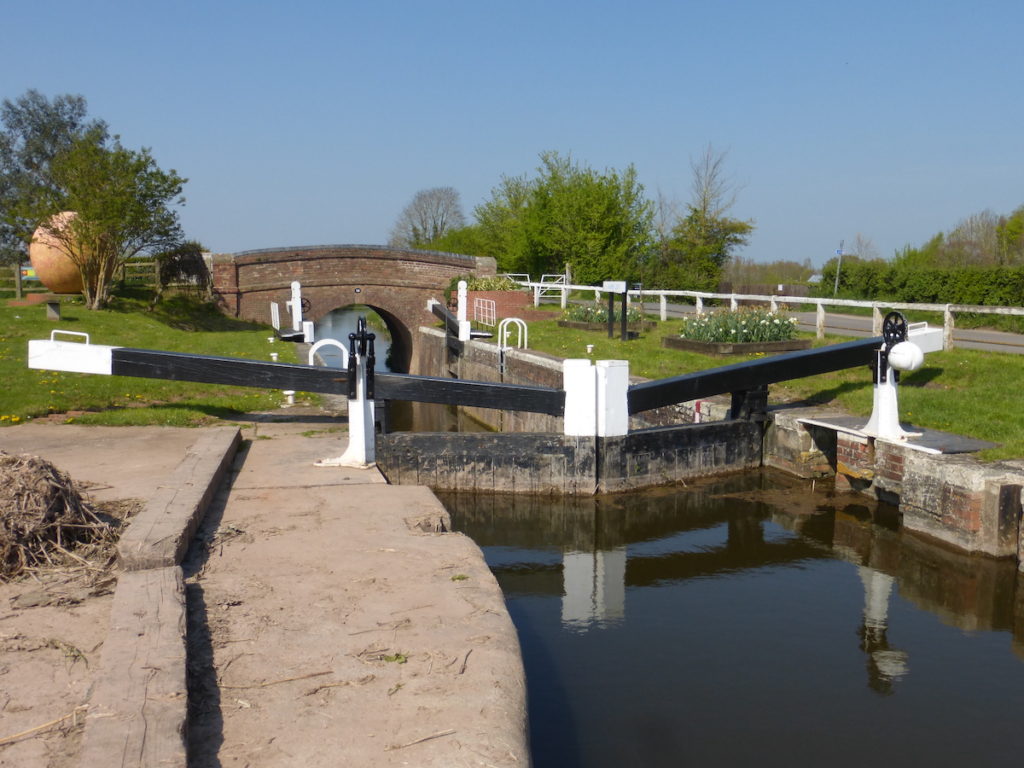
(160, 534)
(138, 709)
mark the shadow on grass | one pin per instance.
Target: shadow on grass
(179, 311)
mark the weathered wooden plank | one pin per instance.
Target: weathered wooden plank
(159, 535)
(137, 710)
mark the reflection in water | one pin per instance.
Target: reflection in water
(594, 588)
(885, 665)
(730, 622)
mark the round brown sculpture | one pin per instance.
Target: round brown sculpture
(53, 266)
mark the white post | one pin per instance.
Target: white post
(773, 305)
(820, 324)
(612, 410)
(565, 297)
(536, 295)
(295, 305)
(700, 305)
(275, 316)
(308, 331)
(461, 313)
(948, 324)
(361, 450)
(663, 302)
(733, 304)
(876, 320)
(579, 380)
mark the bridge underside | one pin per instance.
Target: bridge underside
(396, 283)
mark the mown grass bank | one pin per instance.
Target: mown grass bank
(178, 324)
(972, 393)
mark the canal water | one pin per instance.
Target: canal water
(749, 620)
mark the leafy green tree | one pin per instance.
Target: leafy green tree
(468, 240)
(123, 205)
(597, 223)
(501, 221)
(1010, 236)
(35, 129)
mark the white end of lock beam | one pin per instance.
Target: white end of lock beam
(595, 398)
(72, 356)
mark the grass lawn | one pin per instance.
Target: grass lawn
(177, 324)
(978, 394)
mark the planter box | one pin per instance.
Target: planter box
(646, 325)
(728, 348)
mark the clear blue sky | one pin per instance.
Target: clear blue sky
(315, 122)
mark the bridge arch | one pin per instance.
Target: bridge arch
(395, 282)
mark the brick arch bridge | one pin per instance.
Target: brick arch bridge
(395, 282)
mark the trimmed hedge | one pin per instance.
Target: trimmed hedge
(880, 280)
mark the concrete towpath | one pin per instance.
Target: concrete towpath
(330, 619)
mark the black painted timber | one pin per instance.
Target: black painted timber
(179, 366)
(754, 373)
(481, 394)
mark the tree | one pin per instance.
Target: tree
(122, 203)
(597, 223)
(35, 130)
(502, 223)
(704, 239)
(429, 215)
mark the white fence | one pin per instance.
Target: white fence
(949, 311)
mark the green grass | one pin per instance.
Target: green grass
(178, 324)
(967, 392)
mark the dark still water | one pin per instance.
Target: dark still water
(749, 621)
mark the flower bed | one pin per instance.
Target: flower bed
(745, 331)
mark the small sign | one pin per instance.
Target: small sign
(614, 286)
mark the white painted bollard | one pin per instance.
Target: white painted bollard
(295, 306)
(462, 313)
(820, 322)
(362, 443)
(663, 302)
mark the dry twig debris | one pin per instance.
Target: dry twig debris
(43, 517)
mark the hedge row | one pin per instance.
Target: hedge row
(869, 280)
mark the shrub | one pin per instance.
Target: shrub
(744, 325)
